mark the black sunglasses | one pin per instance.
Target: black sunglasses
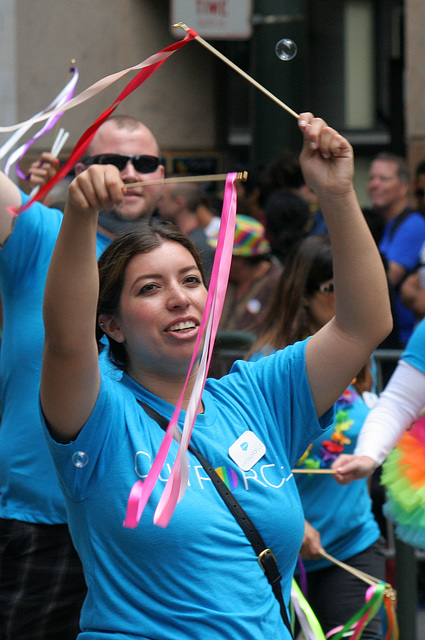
(420, 193)
(142, 164)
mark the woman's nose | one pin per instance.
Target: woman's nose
(178, 297)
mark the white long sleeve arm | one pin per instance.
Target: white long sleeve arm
(398, 406)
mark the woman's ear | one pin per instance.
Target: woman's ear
(110, 326)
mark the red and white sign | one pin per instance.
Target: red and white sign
(214, 19)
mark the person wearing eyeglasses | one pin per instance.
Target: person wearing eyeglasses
(41, 581)
(404, 232)
(338, 519)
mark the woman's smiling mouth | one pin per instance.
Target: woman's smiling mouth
(189, 325)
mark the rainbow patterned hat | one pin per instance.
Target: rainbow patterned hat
(250, 239)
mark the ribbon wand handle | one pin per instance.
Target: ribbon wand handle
(238, 70)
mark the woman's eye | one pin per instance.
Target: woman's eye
(147, 288)
(193, 280)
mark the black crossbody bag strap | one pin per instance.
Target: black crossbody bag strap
(265, 556)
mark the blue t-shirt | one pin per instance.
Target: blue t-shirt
(404, 247)
(29, 489)
(199, 577)
(414, 353)
(342, 514)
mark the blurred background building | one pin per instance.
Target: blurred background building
(359, 65)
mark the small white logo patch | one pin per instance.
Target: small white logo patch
(370, 399)
(247, 450)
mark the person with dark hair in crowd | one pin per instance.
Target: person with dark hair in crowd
(284, 174)
(338, 521)
(286, 220)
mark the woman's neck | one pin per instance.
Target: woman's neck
(166, 388)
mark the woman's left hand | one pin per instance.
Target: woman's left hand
(326, 158)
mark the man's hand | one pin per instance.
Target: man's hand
(43, 169)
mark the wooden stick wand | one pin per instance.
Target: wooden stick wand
(329, 471)
(238, 70)
(218, 177)
(366, 577)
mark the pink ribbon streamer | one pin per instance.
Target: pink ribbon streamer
(359, 627)
(177, 482)
(64, 96)
(148, 67)
(96, 88)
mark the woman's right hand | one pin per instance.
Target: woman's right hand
(99, 187)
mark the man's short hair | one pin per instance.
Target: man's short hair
(403, 172)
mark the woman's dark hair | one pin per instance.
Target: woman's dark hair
(288, 319)
(307, 266)
(112, 267)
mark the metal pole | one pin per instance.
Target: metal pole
(406, 579)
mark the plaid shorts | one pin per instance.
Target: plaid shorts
(42, 585)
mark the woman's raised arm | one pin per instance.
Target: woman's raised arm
(70, 374)
(336, 353)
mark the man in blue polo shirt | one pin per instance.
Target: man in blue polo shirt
(41, 581)
(404, 232)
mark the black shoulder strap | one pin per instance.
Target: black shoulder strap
(265, 556)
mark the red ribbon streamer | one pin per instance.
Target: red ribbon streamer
(89, 134)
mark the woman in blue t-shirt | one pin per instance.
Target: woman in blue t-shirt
(339, 520)
(199, 576)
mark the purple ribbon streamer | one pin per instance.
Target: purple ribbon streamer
(63, 97)
(302, 577)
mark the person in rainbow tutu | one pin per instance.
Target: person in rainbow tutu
(394, 434)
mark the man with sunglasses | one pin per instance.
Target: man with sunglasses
(131, 147)
(41, 581)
